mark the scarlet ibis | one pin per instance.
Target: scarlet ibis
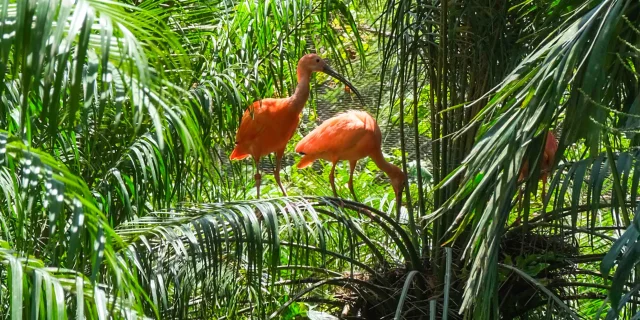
(551, 146)
(351, 136)
(268, 124)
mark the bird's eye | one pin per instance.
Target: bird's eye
(317, 60)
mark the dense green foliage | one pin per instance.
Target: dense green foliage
(118, 199)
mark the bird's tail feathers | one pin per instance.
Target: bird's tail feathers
(306, 161)
(238, 155)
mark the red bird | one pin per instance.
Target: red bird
(351, 136)
(268, 124)
(551, 146)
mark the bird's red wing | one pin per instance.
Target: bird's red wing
(551, 145)
(333, 136)
(550, 149)
(250, 128)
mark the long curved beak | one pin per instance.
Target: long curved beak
(397, 190)
(399, 202)
(338, 76)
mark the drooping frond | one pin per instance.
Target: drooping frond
(249, 256)
(562, 83)
(60, 243)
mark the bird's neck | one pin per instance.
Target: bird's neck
(389, 169)
(301, 95)
(384, 165)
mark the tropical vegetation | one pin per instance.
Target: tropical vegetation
(119, 200)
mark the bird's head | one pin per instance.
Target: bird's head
(313, 63)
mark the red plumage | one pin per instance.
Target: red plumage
(548, 156)
(268, 124)
(350, 136)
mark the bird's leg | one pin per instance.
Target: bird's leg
(257, 176)
(519, 200)
(279, 155)
(352, 167)
(519, 205)
(333, 183)
(332, 179)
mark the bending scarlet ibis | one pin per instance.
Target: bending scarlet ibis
(268, 124)
(351, 136)
(550, 148)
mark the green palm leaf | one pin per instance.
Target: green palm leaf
(203, 252)
(564, 75)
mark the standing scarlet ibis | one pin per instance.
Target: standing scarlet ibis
(351, 136)
(268, 124)
(550, 148)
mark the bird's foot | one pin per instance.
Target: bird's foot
(258, 179)
(353, 193)
(366, 212)
(258, 214)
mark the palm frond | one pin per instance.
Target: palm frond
(61, 243)
(223, 257)
(563, 75)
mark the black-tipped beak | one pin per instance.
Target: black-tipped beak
(398, 194)
(338, 76)
(398, 203)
